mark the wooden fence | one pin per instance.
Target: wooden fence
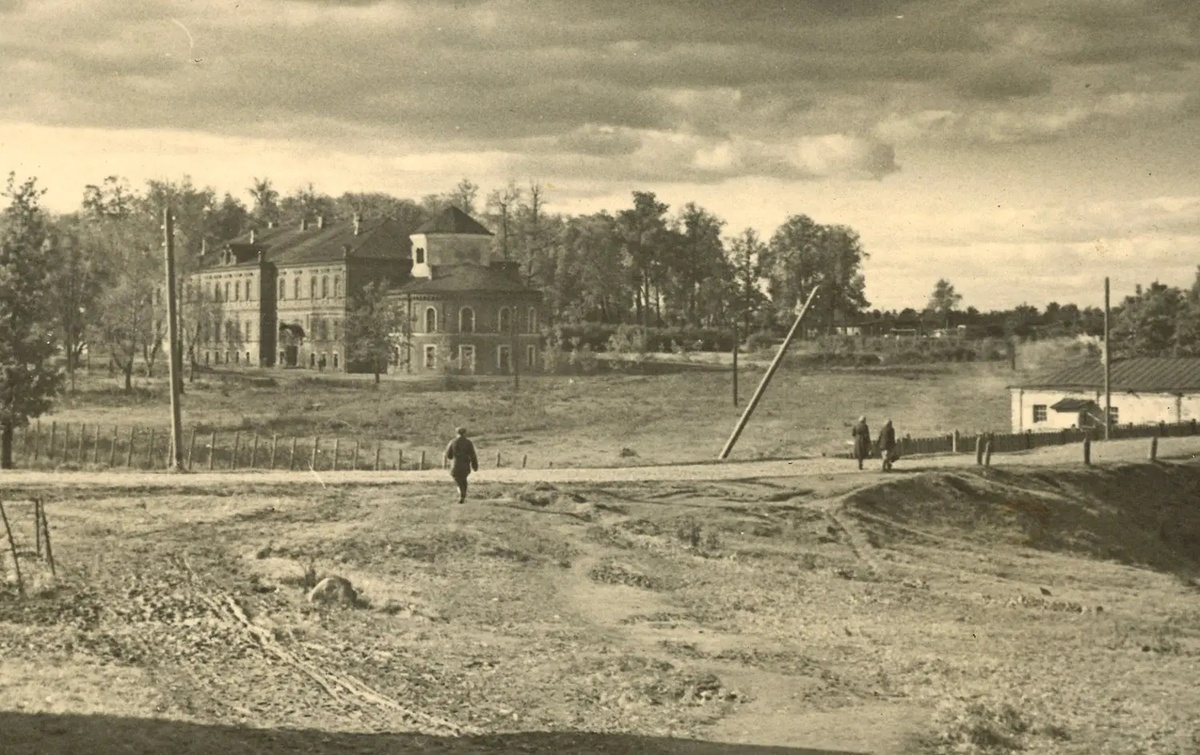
(964, 443)
(84, 445)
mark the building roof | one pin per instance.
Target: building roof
(453, 220)
(1138, 374)
(462, 278)
(377, 239)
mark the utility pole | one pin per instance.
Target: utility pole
(176, 360)
(736, 344)
(737, 431)
(1107, 368)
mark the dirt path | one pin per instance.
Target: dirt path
(828, 468)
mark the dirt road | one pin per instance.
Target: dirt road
(1102, 453)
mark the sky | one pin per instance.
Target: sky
(1021, 149)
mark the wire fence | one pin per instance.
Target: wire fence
(974, 443)
(93, 446)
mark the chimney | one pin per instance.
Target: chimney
(253, 235)
(320, 221)
(357, 223)
(304, 224)
(260, 255)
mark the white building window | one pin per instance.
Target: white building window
(420, 255)
(1039, 412)
(466, 320)
(296, 287)
(282, 287)
(430, 319)
(430, 356)
(1114, 415)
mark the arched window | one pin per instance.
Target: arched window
(312, 287)
(217, 331)
(296, 287)
(337, 286)
(226, 290)
(466, 320)
(237, 291)
(325, 287)
(430, 320)
(504, 324)
(282, 287)
(533, 323)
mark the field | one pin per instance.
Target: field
(593, 420)
(1038, 608)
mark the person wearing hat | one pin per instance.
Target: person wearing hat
(887, 446)
(862, 441)
(461, 453)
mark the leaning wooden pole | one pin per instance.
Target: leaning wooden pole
(175, 362)
(12, 545)
(762, 386)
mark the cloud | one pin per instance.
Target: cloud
(1003, 81)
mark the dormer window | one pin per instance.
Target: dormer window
(420, 255)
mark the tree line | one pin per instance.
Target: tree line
(90, 280)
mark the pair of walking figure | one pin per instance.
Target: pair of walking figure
(862, 443)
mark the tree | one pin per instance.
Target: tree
(697, 272)
(745, 253)
(644, 234)
(75, 283)
(1145, 324)
(28, 379)
(803, 254)
(266, 201)
(943, 301)
(592, 282)
(373, 327)
(1187, 326)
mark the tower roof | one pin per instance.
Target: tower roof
(453, 220)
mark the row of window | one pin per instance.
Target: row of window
(466, 357)
(229, 329)
(1041, 414)
(313, 289)
(230, 357)
(230, 291)
(466, 320)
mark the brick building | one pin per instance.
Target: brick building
(280, 296)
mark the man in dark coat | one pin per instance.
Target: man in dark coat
(887, 445)
(461, 454)
(862, 441)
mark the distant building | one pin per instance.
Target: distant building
(279, 297)
(1144, 390)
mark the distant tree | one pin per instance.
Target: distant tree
(644, 235)
(112, 198)
(1146, 323)
(128, 322)
(697, 277)
(803, 254)
(266, 201)
(943, 301)
(1021, 321)
(464, 195)
(308, 205)
(75, 283)
(28, 379)
(1187, 326)
(501, 207)
(591, 281)
(373, 327)
(745, 253)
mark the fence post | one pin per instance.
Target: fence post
(81, 453)
(46, 538)
(237, 441)
(1153, 449)
(337, 442)
(12, 544)
(50, 449)
(312, 464)
(954, 442)
(422, 465)
(354, 461)
(987, 454)
(96, 445)
(274, 445)
(212, 450)
(254, 452)
(66, 451)
(292, 456)
(191, 449)
(497, 459)
(37, 439)
(979, 449)
(524, 458)
(400, 460)
(112, 451)
(150, 451)
(1087, 450)
(37, 523)
(378, 450)
(1193, 428)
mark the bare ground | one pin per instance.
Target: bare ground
(758, 607)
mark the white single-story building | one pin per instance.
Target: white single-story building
(1145, 390)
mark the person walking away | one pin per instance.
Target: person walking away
(887, 445)
(862, 441)
(461, 453)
